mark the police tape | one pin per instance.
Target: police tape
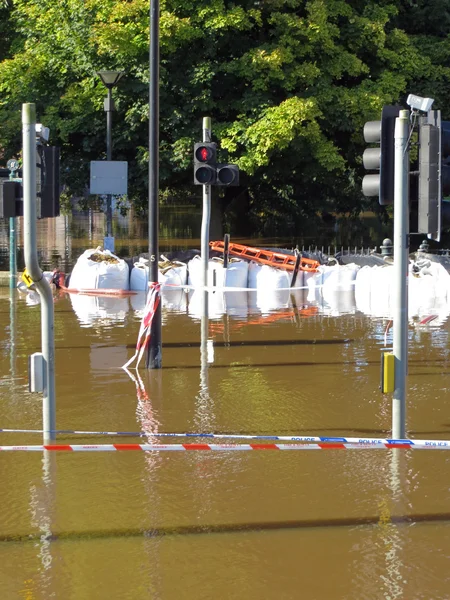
(226, 436)
(226, 447)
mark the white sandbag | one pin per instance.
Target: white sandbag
(235, 275)
(429, 286)
(99, 310)
(272, 287)
(335, 277)
(195, 272)
(374, 290)
(99, 269)
(174, 274)
(139, 276)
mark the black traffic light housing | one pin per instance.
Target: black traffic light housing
(380, 158)
(205, 163)
(434, 172)
(207, 171)
(47, 175)
(11, 199)
(227, 174)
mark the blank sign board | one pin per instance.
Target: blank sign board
(109, 177)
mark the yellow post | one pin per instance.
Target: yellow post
(387, 373)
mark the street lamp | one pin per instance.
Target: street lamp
(109, 79)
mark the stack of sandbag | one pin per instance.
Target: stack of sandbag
(235, 275)
(270, 287)
(170, 273)
(99, 269)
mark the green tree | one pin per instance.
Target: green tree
(288, 84)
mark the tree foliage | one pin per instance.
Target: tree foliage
(288, 85)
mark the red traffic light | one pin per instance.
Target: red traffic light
(203, 154)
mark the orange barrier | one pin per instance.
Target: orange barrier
(303, 311)
(267, 257)
(58, 280)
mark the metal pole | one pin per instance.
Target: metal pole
(401, 246)
(32, 266)
(206, 210)
(12, 253)
(109, 240)
(154, 351)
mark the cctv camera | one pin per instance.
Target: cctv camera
(419, 103)
(42, 132)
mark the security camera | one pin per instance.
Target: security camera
(419, 103)
(42, 132)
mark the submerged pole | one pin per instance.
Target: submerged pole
(154, 350)
(401, 251)
(32, 266)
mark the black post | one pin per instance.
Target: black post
(154, 350)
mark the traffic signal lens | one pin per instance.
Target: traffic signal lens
(203, 154)
(204, 175)
(226, 176)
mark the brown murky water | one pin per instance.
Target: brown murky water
(341, 524)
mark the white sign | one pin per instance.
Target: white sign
(109, 177)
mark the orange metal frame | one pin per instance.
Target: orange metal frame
(267, 257)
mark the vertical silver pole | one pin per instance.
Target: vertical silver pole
(401, 246)
(32, 266)
(205, 260)
(206, 209)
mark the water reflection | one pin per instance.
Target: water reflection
(99, 310)
(42, 511)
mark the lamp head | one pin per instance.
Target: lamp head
(110, 78)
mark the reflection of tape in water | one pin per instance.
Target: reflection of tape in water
(225, 447)
(364, 442)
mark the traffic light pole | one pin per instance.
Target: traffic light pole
(401, 252)
(32, 266)
(206, 210)
(206, 216)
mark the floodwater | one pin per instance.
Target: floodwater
(325, 524)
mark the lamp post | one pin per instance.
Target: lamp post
(109, 79)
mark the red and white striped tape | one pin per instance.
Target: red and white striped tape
(221, 447)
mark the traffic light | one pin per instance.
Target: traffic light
(227, 174)
(380, 158)
(434, 172)
(207, 171)
(47, 175)
(11, 199)
(205, 164)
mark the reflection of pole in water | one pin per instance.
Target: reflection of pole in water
(204, 345)
(42, 507)
(392, 579)
(204, 404)
(150, 425)
(12, 331)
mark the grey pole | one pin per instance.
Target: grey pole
(205, 260)
(32, 266)
(401, 246)
(154, 351)
(206, 210)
